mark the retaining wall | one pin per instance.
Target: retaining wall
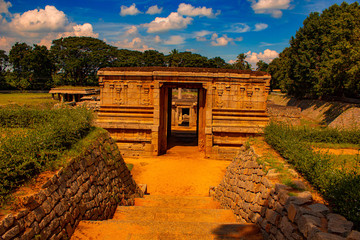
(280, 214)
(288, 114)
(90, 187)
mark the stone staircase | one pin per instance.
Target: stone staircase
(169, 217)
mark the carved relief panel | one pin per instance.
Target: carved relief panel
(146, 94)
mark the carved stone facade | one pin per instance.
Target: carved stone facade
(136, 107)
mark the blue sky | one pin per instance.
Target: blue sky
(259, 28)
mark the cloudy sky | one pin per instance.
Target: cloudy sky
(259, 28)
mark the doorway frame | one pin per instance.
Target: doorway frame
(165, 102)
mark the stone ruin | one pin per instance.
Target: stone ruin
(136, 107)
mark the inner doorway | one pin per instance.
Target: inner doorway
(182, 116)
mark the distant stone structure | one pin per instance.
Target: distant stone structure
(136, 103)
(72, 94)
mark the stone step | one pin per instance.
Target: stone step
(146, 213)
(114, 229)
(177, 202)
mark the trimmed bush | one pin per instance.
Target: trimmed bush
(341, 187)
(32, 140)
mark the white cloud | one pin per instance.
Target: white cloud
(132, 30)
(4, 7)
(41, 26)
(260, 27)
(239, 28)
(223, 40)
(272, 7)
(6, 43)
(201, 35)
(135, 44)
(157, 39)
(267, 56)
(154, 10)
(174, 40)
(85, 30)
(189, 10)
(39, 20)
(132, 10)
(232, 61)
(173, 21)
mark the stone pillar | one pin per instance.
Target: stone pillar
(208, 121)
(155, 128)
(179, 93)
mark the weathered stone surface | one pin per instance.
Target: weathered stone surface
(354, 235)
(309, 225)
(301, 198)
(59, 202)
(295, 217)
(10, 234)
(326, 236)
(8, 221)
(319, 208)
(338, 224)
(286, 227)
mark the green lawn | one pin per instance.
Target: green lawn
(26, 98)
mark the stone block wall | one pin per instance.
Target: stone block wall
(90, 187)
(254, 199)
(288, 114)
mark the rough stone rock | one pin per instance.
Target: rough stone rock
(319, 208)
(39, 214)
(286, 227)
(8, 221)
(338, 224)
(308, 225)
(10, 234)
(301, 198)
(354, 235)
(326, 236)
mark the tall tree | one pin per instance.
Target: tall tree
(79, 58)
(241, 63)
(19, 56)
(153, 58)
(218, 62)
(42, 67)
(324, 56)
(4, 62)
(262, 66)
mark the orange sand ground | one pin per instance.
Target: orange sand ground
(182, 171)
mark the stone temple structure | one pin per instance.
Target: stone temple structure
(136, 107)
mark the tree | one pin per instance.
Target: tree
(42, 68)
(153, 58)
(78, 59)
(241, 63)
(32, 67)
(262, 66)
(128, 58)
(19, 58)
(324, 56)
(4, 62)
(218, 62)
(173, 59)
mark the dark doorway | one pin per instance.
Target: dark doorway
(182, 112)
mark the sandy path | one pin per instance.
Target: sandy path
(183, 171)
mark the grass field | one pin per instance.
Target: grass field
(26, 98)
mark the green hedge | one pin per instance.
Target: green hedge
(31, 141)
(327, 135)
(341, 187)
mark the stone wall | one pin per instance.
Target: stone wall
(89, 188)
(288, 114)
(279, 213)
